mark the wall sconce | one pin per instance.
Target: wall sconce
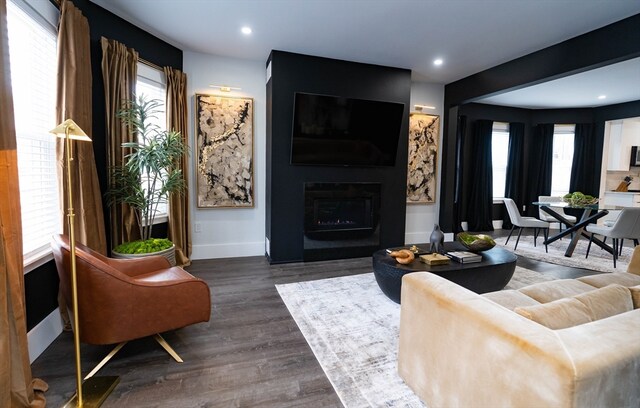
(423, 107)
(225, 88)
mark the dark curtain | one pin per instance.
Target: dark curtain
(515, 161)
(480, 205)
(584, 177)
(540, 166)
(457, 199)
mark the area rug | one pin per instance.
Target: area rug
(599, 260)
(353, 328)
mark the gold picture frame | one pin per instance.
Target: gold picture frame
(224, 151)
(424, 135)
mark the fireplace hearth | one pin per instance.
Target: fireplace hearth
(339, 216)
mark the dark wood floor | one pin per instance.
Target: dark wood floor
(250, 354)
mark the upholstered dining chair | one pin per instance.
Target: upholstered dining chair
(549, 218)
(626, 226)
(521, 222)
(126, 299)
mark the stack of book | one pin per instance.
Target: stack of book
(464, 256)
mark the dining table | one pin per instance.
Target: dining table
(590, 213)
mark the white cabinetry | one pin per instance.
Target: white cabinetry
(622, 199)
(622, 135)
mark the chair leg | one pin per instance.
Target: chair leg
(589, 246)
(105, 360)
(536, 231)
(167, 347)
(616, 243)
(635, 242)
(518, 240)
(546, 237)
(510, 232)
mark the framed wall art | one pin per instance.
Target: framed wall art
(224, 151)
(424, 133)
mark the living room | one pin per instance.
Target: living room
(226, 240)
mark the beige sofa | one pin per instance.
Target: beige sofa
(461, 349)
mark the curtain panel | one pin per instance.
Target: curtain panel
(459, 175)
(74, 96)
(540, 166)
(480, 203)
(119, 72)
(17, 387)
(514, 188)
(584, 177)
(179, 215)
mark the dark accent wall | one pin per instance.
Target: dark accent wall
(613, 43)
(292, 73)
(41, 284)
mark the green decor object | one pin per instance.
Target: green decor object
(476, 243)
(150, 171)
(144, 247)
(578, 199)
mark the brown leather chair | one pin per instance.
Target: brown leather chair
(126, 299)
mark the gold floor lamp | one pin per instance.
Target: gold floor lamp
(96, 389)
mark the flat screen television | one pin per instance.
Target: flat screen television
(339, 131)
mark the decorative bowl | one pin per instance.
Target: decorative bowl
(578, 199)
(476, 243)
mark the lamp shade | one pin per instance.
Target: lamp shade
(72, 129)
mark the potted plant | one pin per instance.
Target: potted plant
(148, 175)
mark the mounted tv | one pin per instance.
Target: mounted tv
(339, 131)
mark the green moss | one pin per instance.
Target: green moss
(144, 247)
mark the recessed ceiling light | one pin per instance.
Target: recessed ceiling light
(602, 97)
(246, 30)
(438, 61)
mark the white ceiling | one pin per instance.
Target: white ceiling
(469, 35)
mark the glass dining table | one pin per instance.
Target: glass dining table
(590, 213)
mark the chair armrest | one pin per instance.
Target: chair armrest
(458, 348)
(139, 266)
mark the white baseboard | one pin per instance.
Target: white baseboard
(227, 250)
(424, 236)
(43, 334)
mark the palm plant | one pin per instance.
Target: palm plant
(150, 172)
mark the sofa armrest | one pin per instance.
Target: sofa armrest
(458, 349)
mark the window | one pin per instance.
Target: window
(500, 156)
(152, 84)
(32, 55)
(562, 159)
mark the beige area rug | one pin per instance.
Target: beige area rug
(353, 328)
(599, 260)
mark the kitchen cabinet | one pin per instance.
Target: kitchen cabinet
(622, 135)
(622, 199)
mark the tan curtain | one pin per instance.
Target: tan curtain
(119, 72)
(74, 102)
(179, 218)
(16, 384)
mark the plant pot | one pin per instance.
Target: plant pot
(169, 253)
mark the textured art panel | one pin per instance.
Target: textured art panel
(424, 133)
(224, 151)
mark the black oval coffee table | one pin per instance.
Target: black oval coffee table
(493, 273)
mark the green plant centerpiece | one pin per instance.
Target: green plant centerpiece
(578, 199)
(148, 175)
(476, 243)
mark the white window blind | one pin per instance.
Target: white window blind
(32, 55)
(152, 84)
(562, 162)
(500, 157)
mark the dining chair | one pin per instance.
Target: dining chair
(544, 216)
(521, 222)
(626, 226)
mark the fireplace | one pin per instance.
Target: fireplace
(340, 216)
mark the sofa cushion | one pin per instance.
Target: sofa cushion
(559, 314)
(544, 292)
(583, 308)
(635, 296)
(608, 301)
(603, 279)
(510, 298)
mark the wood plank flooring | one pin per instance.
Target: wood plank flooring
(250, 354)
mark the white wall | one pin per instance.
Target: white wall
(422, 217)
(229, 232)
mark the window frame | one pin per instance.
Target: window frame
(499, 127)
(563, 129)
